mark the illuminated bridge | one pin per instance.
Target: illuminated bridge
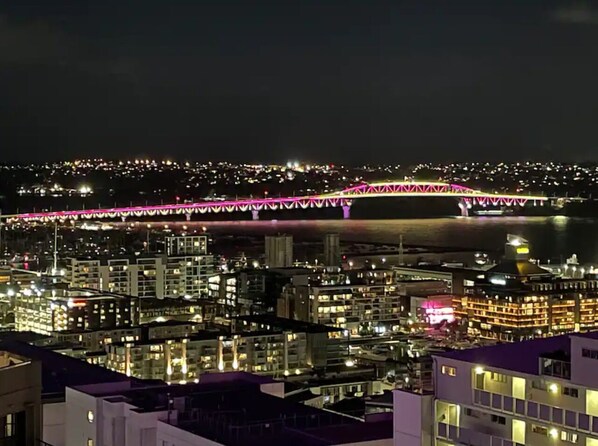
(466, 197)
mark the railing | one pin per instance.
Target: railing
(471, 437)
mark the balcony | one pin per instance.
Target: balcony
(471, 437)
(557, 364)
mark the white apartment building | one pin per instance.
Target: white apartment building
(343, 306)
(542, 392)
(182, 272)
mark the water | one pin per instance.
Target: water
(553, 238)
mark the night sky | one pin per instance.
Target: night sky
(332, 81)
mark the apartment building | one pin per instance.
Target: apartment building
(58, 309)
(284, 349)
(539, 392)
(517, 299)
(183, 271)
(183, 360)
(351, 307)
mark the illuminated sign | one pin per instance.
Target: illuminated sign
(439, 315)
(523, 250)
(498, 281)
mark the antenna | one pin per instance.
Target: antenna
(55, 266)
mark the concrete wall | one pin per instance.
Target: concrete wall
(78, 427)
(54, 419)
(583, 370)
(412, 419)
(456, 389)
(20, 391)
(168, 435)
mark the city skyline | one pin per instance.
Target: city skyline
(270, 81)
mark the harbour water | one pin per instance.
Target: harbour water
(551, 238)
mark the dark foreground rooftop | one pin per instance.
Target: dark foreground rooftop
(231, 409)
(60, 371)
(520, 357)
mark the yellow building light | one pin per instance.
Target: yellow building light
(553, 388)
(554, 433)
(479, 370)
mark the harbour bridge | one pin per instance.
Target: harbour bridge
(465, 196)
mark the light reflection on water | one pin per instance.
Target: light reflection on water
(550, 237)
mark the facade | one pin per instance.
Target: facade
(352, 307)
(59, 309)
(20, 400)
(279, 251)
(182, 272)
(275, 352)
(161, 310)
(240, 292)
(517, 300)
(540, 392)
(332, 250)
(96, 340)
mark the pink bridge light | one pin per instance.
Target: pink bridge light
(341, 198)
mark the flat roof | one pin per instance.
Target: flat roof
(60, 371)
(230, 408)
(291, 324)
(519, 357)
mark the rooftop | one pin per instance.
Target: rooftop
(60, 371)
(519, 268)
(522, 357)
(287, 324)
(231, 409)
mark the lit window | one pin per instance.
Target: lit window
(450, 371)
(90, 416)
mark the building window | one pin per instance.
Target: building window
(447, 370)
(589, 353)
(90, 416)
(570, 391)
(539, 429)
(569, 437)
(89, 442)
(498, 419)
(498, 377)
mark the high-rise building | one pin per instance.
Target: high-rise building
(332, 250)
(182, 272)
(516, 299)
(279, 251)
(539, 392)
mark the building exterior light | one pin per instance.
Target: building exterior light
(479, 370)
(553, 388)
(554, 433)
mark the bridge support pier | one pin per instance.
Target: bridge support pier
(255, 214)
(464, 206)
(346, 211)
